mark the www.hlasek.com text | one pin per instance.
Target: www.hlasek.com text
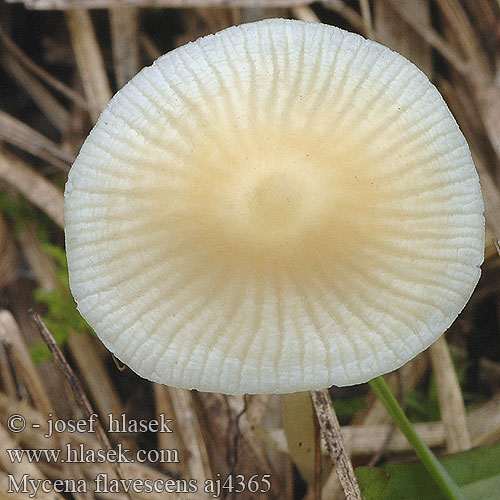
(78, 453)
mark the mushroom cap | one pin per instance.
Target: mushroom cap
(278, 207)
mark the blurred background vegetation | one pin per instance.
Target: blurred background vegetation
(60, 62)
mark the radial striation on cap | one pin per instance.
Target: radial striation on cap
(278, 207)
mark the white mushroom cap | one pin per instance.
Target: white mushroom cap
(278, 207)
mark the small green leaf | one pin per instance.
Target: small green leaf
(372, 482)
(476, 471)
(39, 352)
(347, 408)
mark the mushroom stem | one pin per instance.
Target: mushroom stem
(435, 469)
(330, 429)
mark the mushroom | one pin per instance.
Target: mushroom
(278, 207)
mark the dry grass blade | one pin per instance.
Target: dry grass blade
(331, 488)
(106, 4)
(393, 31)
(246, 425)
(8, 381)
(41, 73)
(367, 19)
(366, 440)
(124, 35)
(33, 437)
(40, 263)
(21, 135)
(51, 107)
(163, 405)
(305, 13)
(225, 439)
(464, 33)
(148, 46)
(332, 436)
(8, 256)
(317, 461)
(488, 95)
(435, 40)
(451, 402)
(96, 379)
(33, 186)
(10, 334)
(75, 385)
(484, 422)
(348, 13)
(497, 246)
(89, 59)
(19, 469)
(194, 444)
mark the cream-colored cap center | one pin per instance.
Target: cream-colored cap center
(275, 202)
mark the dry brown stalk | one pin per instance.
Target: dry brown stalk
(95, 375)
(365, 440)
(33, 437)
(257, 406)
(141, 472)
(228, 446)
(393, 31)
(151, 51)
(7, 380)
(484, 422)
(435, 40)
(9, 261)
(41, 73)
(88, 58)
(485, 87)
(50, 107)
(11, 335)
(78, 125)
(4, 486)
(124, 23)
(106, 4)
(317, 461)
(21, 135)
(190, 432)
(163, 405)
(305, 13)
(76, 387)
(464, 33)
(488, 96)
(451, 402)
(332, 436)
(367, 19)
(40, 263)
(331, 488)
(246, 426)
(32, 185)
(20, 300)
(18, 469)
(348, 13)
